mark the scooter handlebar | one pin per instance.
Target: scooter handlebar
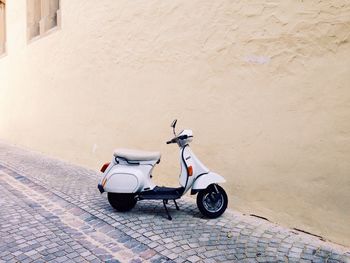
(173, 140)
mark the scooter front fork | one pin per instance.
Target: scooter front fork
(216, 189)
(214, 195)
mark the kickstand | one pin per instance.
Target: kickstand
(166, 209)
(177, 207)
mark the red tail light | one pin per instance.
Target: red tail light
(104, 167)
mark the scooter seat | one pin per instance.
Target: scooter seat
(137, 155)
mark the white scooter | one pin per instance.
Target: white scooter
(127, 179)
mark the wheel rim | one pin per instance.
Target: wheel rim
(213, 202)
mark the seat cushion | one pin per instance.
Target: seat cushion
(137, 155)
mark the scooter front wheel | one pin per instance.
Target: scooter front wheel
(212, 201)
(122, 202)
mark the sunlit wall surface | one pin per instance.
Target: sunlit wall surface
(2, 26)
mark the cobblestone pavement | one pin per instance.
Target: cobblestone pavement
(53, 212)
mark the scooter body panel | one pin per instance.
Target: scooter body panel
(126, 178)
(189, 159)
(204, 180)
(185, 162)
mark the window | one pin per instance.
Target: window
(42, 15)
(2, 26)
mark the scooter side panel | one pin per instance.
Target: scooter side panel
(125, 179)
(122, 183)
(205, 180)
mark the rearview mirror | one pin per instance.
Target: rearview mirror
(173, 124)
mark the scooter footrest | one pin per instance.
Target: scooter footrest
(162, 193)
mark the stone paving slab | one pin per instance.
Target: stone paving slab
(29, 233)
(73, 236)
(53, 212)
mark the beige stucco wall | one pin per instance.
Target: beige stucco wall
(2, 27)
(265, 86)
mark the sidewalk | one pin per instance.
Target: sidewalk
(53, 212)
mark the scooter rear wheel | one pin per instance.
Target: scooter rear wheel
(212, 201)
(122, 202)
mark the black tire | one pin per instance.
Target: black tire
(210, 203)
(122, 202)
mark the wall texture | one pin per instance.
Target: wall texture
(265, 86)
(2, 27)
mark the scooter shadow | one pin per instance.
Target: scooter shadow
(155, 209)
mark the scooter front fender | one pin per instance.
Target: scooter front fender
(203, 181)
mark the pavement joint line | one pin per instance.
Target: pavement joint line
(68, 219)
